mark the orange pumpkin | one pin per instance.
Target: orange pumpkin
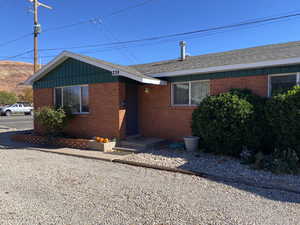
(98, 139)
(101, 140)
(105, 140)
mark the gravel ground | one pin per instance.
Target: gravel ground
(215, 165)
(45, 188)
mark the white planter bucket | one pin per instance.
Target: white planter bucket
(191, 143)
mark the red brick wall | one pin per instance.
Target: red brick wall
(157, 118)
(258, 84)
(105, 118)
(42, 97)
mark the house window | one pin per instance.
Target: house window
(189, 93)
(281, 83)
(74, 97)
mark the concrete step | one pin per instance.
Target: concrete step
(132, 137)
(124, 149)
(141, 143)
(130, 144)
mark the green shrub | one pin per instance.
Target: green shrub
(246, 94)
(285, 161)
(260, 137)
(283, 115)
(52, 120)
(222, 121)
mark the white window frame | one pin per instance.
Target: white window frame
(190, 91)
(80, 99)
(281, 75)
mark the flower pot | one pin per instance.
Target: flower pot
(191, 143)
(106, 147)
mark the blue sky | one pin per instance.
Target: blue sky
(158, 17)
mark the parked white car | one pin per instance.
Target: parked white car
(17, 108)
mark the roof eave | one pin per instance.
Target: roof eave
(53, 63)
(65, 55)
(270, 63)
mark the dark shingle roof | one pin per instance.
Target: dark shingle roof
(241, 56)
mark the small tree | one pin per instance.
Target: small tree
(7, 98)
(27, 95)
(53, 120)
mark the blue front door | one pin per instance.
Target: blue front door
(131, 109)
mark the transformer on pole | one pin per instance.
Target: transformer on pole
(36, 30)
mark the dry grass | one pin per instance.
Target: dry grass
(12, 74)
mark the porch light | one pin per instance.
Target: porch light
(146, 90)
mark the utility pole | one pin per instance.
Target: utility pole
(36, 30)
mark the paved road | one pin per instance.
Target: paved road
(16, 122)
(45, 188)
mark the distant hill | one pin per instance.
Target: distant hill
(12, 74)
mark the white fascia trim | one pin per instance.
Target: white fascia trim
(144, 80)
(65, 55)
(229, 67)
(156, 81)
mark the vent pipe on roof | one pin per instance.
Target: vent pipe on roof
(182, 45)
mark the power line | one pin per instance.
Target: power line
(129, 54)
(237, 25)
(280, 47)
(78, 23)
(172, 37)
(20, 54)
(16, 39)
(98, 17)
(110, 48)
(128, 8)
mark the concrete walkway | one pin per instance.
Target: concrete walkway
(90, 154)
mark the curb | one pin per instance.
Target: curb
(177, 170)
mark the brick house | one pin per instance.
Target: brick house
(156, 99)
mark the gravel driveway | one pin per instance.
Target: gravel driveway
(43, 188)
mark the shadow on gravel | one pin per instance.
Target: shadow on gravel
(274, 187)
(278, 192)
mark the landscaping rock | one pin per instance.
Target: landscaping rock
(216, 165)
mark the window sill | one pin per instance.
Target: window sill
(81, 115)
(183, 107)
